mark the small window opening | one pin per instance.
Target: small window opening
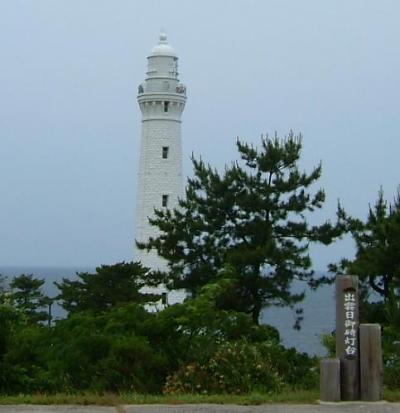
(164, 299)
(166, 105)
(165, 200)
(165, 151)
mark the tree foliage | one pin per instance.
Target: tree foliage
(109, 286)
(3, 289)
(125, 348)
(3, 280)
(253, 218)
(377, 259)
(26, 292)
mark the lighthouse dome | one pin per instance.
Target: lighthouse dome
(163, 48)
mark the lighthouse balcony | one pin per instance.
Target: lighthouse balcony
(161, 97)
(165, 87)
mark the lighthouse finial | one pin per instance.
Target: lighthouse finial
(163, 37)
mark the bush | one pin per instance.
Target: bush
(132, 365)
(105, 352)
(391, 376)
(237, 367)
(198, 347)
(298, 370)
(26, 360)
(391, 356)
(329, 342)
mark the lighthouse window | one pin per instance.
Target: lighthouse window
(165, 151)
(166, 104)
(165, 200)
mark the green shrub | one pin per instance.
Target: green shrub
(105, 353)
(391, 376)
(237, 367)
(131, 365)
(298, 370)
(329, 342)
(391, 356)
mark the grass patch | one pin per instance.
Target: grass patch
(392, 395)
(293, 396)
(109, 399)
(112, 399)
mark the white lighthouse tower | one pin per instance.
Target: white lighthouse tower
(161, 99)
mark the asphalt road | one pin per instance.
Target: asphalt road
(356, 407)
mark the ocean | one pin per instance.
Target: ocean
(318, 308)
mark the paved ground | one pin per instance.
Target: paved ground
(381, 407)
(268, 408)
(57, 409)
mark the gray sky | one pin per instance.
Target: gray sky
(70, 124)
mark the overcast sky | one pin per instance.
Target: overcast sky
(70, 123)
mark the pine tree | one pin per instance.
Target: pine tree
(377, 259)
(3, 289)
(252, 219)
(109, 286)
(26, 293)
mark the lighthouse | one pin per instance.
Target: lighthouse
(161, 99)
